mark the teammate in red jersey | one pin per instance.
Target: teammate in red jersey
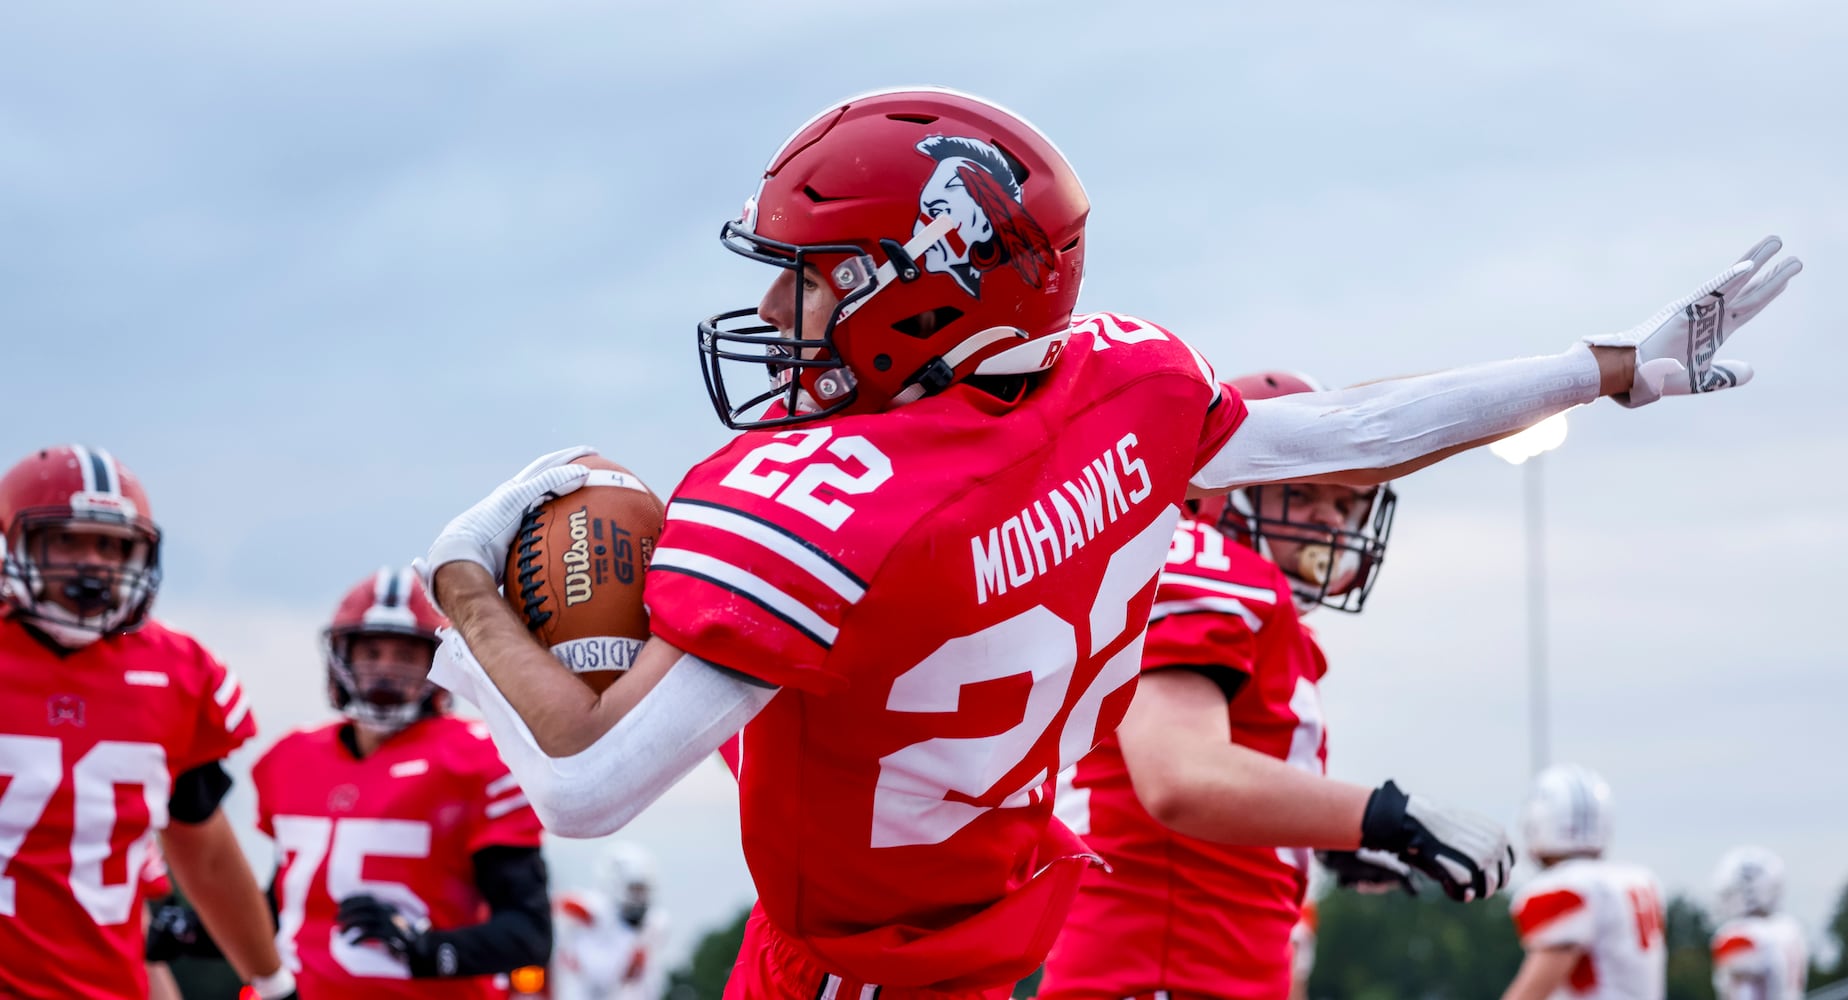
(1224, 745)
(112, 730)
(923, 572)
(409, 860)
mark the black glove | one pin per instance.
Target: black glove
(373, 919)
(1467, 854)
(174, 931)
(1368, 872)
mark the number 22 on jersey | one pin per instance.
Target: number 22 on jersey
(799, 492)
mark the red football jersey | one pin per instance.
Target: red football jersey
(403, 825)
(1176, 913)
(951, 595)
(89, 746)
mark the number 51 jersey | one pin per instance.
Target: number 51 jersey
(951, 595)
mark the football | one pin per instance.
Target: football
(575, 572)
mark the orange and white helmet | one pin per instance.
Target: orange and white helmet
(72, 488)
(1348, 558)
(951, 232)
(1568, 813)
(389, 602)
(1748, 882)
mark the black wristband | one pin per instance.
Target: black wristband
(197, 793)
(1382, 826)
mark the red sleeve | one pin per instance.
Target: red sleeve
(1201, 620)
(733, 583)
(1730, 947)
(502, 816)
(224, 721)
(1553, 918)
(259, 781)
(1223, 417)
(1200, 638)
(1224, 412)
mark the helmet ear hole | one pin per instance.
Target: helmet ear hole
(928, 322)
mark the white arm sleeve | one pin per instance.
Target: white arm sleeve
(695, 708)
(1383, 424)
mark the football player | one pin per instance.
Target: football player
(1593, 929)
(409, 860)
(1221, 755)
(1302, 951)
(610, 937)
(113, 728)
(922, 571)
(1758, 952)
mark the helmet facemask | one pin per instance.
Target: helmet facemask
(1330, 567)
(810, 378)
(382, 696)
(76, 601)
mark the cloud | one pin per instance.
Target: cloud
(324, 274)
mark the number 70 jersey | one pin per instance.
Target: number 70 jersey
(952, 596)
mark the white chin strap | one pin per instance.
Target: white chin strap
(68, 636)
(384, 720)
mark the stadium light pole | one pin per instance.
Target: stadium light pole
(1528, 449)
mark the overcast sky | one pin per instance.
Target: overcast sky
(325, 273)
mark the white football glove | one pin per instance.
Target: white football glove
(483, 533)
(1467, 854)
(1676, 347)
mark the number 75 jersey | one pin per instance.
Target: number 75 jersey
(952, 596)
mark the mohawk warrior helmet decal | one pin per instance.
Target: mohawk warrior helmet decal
(977, 187)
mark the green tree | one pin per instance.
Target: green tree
(1690, 954)
(705, 972)
(1395, 947)
(1837, 931)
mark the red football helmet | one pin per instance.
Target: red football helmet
(389, 602)
(1331, 567)
(952, 232)
(77, 599)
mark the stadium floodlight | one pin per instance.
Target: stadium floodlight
(1516, 449)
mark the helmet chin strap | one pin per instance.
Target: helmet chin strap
(386, 721)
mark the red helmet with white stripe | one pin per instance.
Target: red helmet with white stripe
(1329, 564)
(81, 550)
(951, 232)
(383, 695)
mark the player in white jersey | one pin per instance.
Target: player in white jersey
(1758, 953)
(1593, 929)
(610, 938)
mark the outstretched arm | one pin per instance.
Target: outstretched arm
(1378, 431)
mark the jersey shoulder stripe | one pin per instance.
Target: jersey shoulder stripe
(770, 535)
